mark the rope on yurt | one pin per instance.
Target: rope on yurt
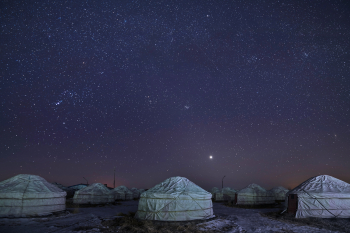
(321, 204)
(160, 209)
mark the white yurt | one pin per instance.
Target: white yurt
(128, 194)
(27, 195)
(77, 187)
(254, 194)
(228, 193)
(175, 199)
(118, 194)
(135, 193)
(141, 191)
(59, 185)
(279, 192)
(225, 194)
(95, 193)
(214, 190)
(321, 197)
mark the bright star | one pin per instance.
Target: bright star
(210, 157)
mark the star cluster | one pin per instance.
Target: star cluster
(153, 88)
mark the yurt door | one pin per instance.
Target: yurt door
(292, 203)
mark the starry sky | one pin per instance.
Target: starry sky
(153, 88)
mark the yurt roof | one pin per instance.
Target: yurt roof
(214, 190)
(122, 187)
(323, 184)
(228, 190)
(59, 185)
(174, 187)
(78, 186)
(29, 186)
(95, 188)
(279, 189)
(252, 188)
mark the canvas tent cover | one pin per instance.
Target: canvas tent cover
(135, 192)
(225, 194)
(175, 199)
(322, 196)
(214, 190)
(27, 195)
(254, 194)
(279, 192)
(128, 194)
(77, 186)
(95, 193)
(118, 194)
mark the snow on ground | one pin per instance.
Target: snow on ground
(230, 220)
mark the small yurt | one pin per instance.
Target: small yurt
(118, 194)
(77, 187)
(320, 197)
(214, 190)
(128, 194)
(228, 194)
(30, 195)
(279, 192)
(141, 191)
(70, 192)
(135, 193)
(254, 194)
(59, 185)
(95, 193)
(175, 199)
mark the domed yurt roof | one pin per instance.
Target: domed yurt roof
(95, 193)
(254, 194)
(175, 199)
(322, 196)
(279, 192)
(27, 195)
(214, 190)
(135, 192)
(128, 194)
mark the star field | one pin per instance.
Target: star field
(153, 88)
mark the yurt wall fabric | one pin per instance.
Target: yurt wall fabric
(279, 192)
(214, 190)
(78, 186)
(219, 196)
(253, 194)
(141, 191)
(228, 194)
(27, 195)
(118, 194)
(322, 197)
(135, 193)
(95, 193)
(128, 194)
(175, 199)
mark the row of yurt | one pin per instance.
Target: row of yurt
(29, 195)
(128, 195)
(95, 193)
(279, 192)
(98, 193)
(320, 196)
(175, 199)
(253, 194)
(225, 194)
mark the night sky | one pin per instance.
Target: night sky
(153, 88)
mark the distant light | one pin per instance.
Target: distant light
(210, 157)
